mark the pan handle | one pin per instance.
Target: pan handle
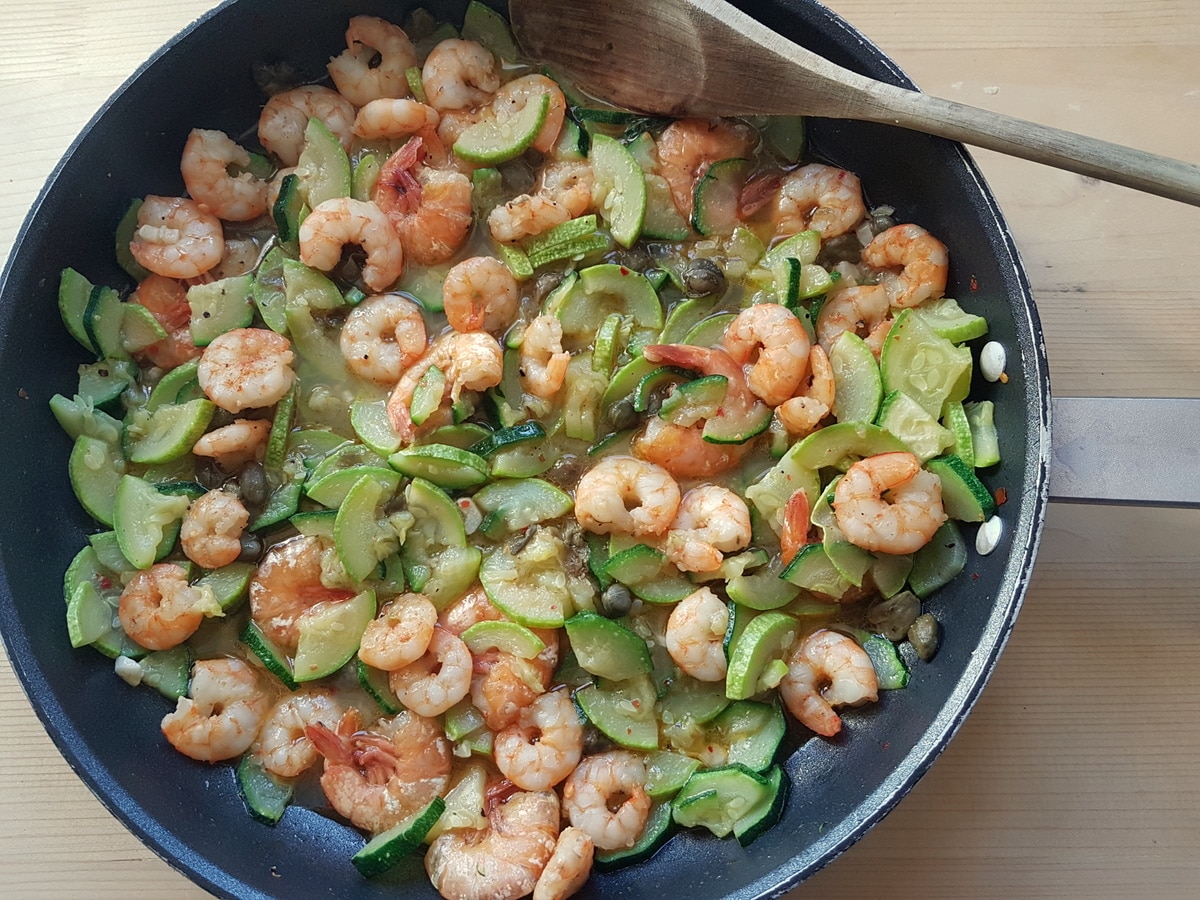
(1126, 450)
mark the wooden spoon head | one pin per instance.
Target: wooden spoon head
(644, 56)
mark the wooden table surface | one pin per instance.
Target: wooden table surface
(1077, 775)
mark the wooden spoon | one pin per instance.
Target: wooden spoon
(707, 58)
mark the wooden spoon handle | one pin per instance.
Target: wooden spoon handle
(1052, 146)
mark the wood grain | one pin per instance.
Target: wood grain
(1077, 774)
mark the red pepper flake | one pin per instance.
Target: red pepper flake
(105, 582)
(624, 271)
(974, 284)
(974, 576)
(637, 704)
(1000, 495)
(885, 745)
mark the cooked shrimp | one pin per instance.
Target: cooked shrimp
(438, 679)
(207, 156)
(821, 198)
(166, 298)
(430, 209)
(544, 745)
(803, 413)
(921, 258)
(342, 220)
(283, 120)
(286, 585)
(606, 797)
(388, 118)
(159, 609)
(696, 635)
(379, 777)
(502, 861)
(247, 368)
(504, 684)
(471, 608)
(513, 97)
(710, 521)
(382, 336)
(827, 669)
(176, 238)
(569, 866)
(222, 715)
(796, 526)
(471, 362)
(544, 363)
(688, 147)
(624, 495)
(459, 74)
(373, 64)
(683, 451)
(234, 444)
(889, 504)
(480, 294)
(240, 257)
(282, 744)
(563, 191)
(212, 529)
(771, 345)
(400, 634)
(859, 308)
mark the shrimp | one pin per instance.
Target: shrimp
(513, 97)
(563, 191)
(827, 669)
(282, 744)
(772, 347)
(688, 147)
(207, 156)
(502, 861)
(373, 64)
(472, 361)
(803, 413)
(796, 526)
(459, 74)
(285, 116)
(382, 336)
(472, 607)
(166, 298)
(624, 495)
(683, 451)
(379, 777)
(212, 529)
(544, 745)
(438, 679)
(234, 444)
(821, 198)
(922, 259)
(889, 504)
(241, 256)
(606, 797)
(286, 585)
(175, 237)
(544, 363)
(387, 118)
(222, 715)
(696, 635)
(247, 368)
(400, 634)
(480, 294)
(430, 209)
(711, 520)
(509, 684)
(342, 220)
(569, 866)
(159, 609)
(859, 308)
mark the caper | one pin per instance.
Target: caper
(208, 473)
(881, 222)
(703, 278)
(636, 258)
(616, 600)
(622, 415)
(252, 483)
(843, 248)
(924, 635)
(594, 740)
(251, 547)
(892, 618)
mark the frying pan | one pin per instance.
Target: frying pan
(191, 813)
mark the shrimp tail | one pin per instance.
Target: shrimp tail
(398, 171)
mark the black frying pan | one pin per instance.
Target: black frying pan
(190, 813)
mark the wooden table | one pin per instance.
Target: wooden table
(1077, 774)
